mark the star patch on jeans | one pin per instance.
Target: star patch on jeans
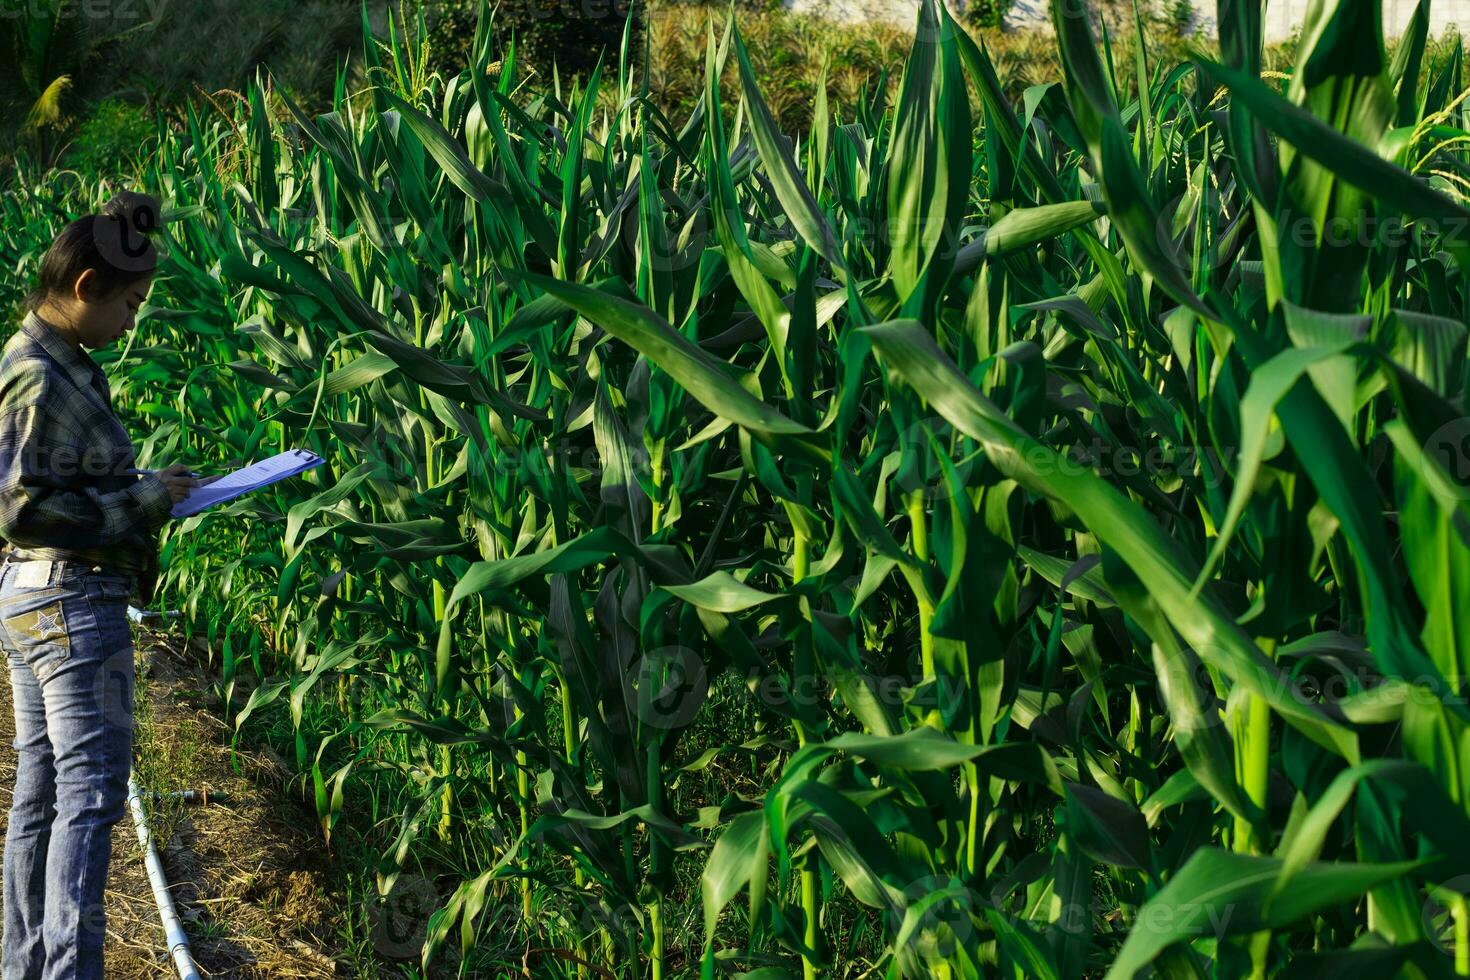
(45, 625)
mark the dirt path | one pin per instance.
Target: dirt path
(249, 876)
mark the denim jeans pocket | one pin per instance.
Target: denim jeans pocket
(38, 623)
(107, 593)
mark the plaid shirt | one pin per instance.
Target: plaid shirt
(64, 488)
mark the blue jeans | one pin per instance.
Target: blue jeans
(66, 636)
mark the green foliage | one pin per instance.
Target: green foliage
(62, 61)
(302, 42)
(563, 35)
(112, 139)
(1181, 15)
(987, 13)
(44, 47)
(979, 537)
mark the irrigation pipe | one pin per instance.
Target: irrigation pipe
(200, 796)
(173, 929)
(148, 615)
(178, 942)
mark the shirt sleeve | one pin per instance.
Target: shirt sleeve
(40, 507)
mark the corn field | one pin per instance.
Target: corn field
(968, 538)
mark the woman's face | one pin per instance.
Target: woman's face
(97, 322)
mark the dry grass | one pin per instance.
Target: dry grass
(788, 50)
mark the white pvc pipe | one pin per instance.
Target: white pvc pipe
(144, 615)
(178, 942)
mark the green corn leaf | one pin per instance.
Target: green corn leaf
(705, 378)
(1224, 894)
(1117, 521)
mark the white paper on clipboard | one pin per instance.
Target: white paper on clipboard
(246, 480)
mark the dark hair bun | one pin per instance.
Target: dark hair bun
(139, 213)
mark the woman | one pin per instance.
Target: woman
(81, 527)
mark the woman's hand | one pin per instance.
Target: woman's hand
(177, 481)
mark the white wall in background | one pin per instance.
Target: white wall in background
(1282, 16)
(1285, 16)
